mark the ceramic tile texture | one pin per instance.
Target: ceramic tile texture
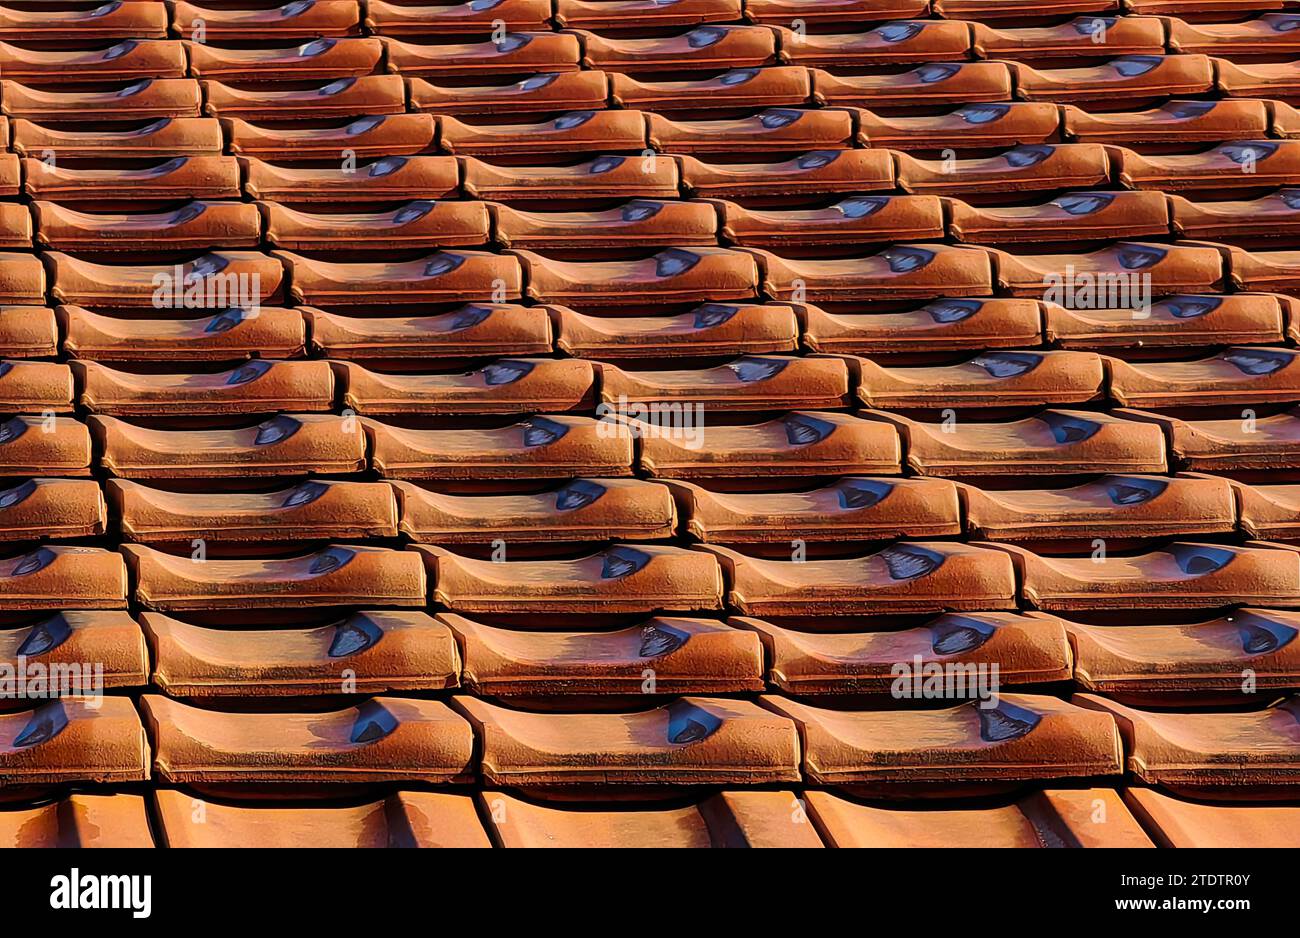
(629, 423)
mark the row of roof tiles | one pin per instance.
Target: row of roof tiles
(672, 277)
(587, 510)
(1238, 376)
(1135, 817)
(302, 19)
(1026, 127)
(798, 444)
(1247, 656)
(929, 86)
(974, 747)
(704, 48)
(713, 329)
(1031, 168)
(907, 578)
(643, 223)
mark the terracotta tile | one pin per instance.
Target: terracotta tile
(286, 444)
(1111, 506)
(363, 653)
(754, 382)
(1027, 649)
(516, 53)
(374, 135)
(642, 14)
(79, 281)
(1269, 511)
(51, 508)
(480, 329)
(1137, 76)
(1185, 321)
(318, 59)
(949, 83)
(182, 177)
(343, 97)
(1176, 122)
(403, 819)
(10, 173)
(1181, 575)
(691, 741)
(772, 86)
(1267, 217)
(417, 224)
(1085, 36)
(981, 10)
(575, 131)
(1053, 442)
(619, 579)
(1246, 442)
(504, 386)
(711, 329)
(442, 277)
(110, 640)
(167, 136)
(851, 509)
(255, 387)
(727, 819)
(386, 179)
(397, 19)
(79, 820)
(312, 509)
(663, 655)
(145, 99)
(385, 739)
(288, 21)
(905, 578)
(1201, 6)
(943, 325)
(1028, 168)
(22, 280)
(107, 21)
(35, 387)
(991, 379)
(708, 47)
(964, 748)
(1090, 817)
(673, 275)
(194, 226)
(1076, 216)
(274, 332)
(581, 510)
(1230, 756)
(1264, 270)
(558, 446)
(856, 220)
(820, 173)
(1270, 81)
(779, 130)
(973, 126)
(800, 443)
(1271, 163)
(30, 446)
(893, 43)
(1241, 375)
(545, 91)
(28, 332)
(781, 12)
(637, 223)
(1176, 823)
(73, 739)
(121, 61)
(1179, 268)
(898, 272)
(604, 177)
(337, 575)
(1167, 665)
